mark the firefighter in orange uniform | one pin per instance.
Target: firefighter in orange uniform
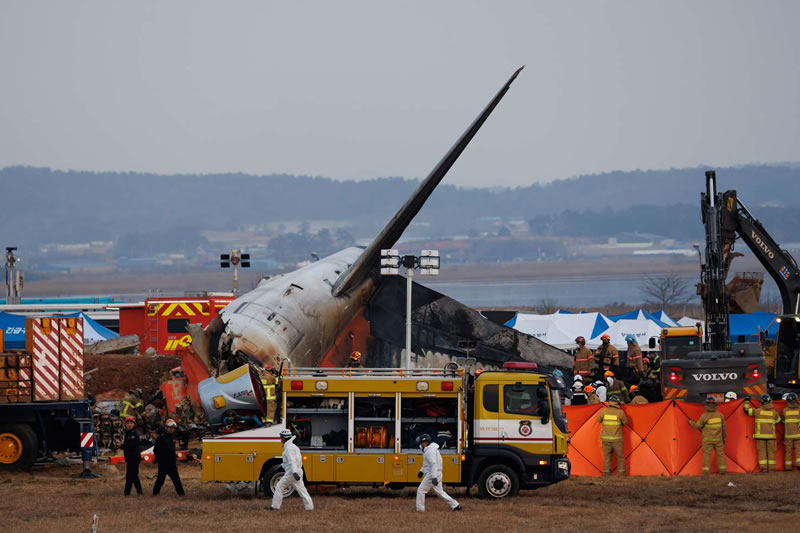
(607, 354)
(767, 418)
(591, 395)
(634, 355)
(636, 396)
(712, 424)
(355, 360)
(584, 360)
(612, 418)
(791, 432)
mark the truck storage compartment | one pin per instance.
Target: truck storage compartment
(437, 417)
(319, 423)
(374, 423)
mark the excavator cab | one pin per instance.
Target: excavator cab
(787, 363)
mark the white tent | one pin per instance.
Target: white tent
(587, 325)
(546, 330)
(665, 318)
(643, 329)
(689, 321)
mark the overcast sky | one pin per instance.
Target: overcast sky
(355, 90)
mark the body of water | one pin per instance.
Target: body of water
(582, 292)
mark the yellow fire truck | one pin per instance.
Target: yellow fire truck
(502, 430)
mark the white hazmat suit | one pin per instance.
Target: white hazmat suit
(432, 470)
(292, 464)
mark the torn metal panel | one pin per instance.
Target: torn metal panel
(438, 323)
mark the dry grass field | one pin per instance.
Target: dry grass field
(48, 500)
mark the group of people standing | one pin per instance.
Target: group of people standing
(712, 426)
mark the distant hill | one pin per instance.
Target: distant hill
(41, 205)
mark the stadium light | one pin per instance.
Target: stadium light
(428, 263)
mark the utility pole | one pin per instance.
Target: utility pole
(235, 258)
(428, 263)
(14, 277)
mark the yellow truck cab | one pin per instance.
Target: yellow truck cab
(503, 430)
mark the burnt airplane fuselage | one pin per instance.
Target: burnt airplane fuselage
(293, 316)
(298, 316)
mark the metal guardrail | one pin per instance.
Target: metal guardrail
(373, 372)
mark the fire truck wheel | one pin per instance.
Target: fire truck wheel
(498, 481)
(269, 480)
(18, 447)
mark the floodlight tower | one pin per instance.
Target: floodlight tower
(14, 277)
(235, 258)
(428, 263)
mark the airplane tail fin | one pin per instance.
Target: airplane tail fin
(368, 259)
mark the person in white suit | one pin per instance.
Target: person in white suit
(292, 474)
(431, 474)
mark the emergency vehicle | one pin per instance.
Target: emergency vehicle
(502, 429)
(161, 322)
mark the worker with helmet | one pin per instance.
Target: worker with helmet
(712, 425)
(764, 433)
(431, 474)
(600, 389)
(607, 353)
(634, 360)
(164, 452)
(292, 474)
(355, 360)
(791, 432)
(591, 395)
(636, 396)
(132, 404)
(131, 451)
(584, 360)
(616, 387)
(578, 396)
(730, 396)
(613, 419)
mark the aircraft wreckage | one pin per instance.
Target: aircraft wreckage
(318, 314)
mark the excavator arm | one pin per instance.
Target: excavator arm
(779, 264)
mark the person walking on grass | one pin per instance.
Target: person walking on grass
(164, 451)
(132, 453)
(431, 474)
(292, 474)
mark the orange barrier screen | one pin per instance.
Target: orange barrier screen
(659, 441)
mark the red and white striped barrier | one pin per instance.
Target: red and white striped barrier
(87, 440)
(71, 358)
(44, 333)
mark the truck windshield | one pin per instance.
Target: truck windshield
(558, 417)
(679, 347)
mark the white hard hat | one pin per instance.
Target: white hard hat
(785, 394)
(578, 377)
(286, 434)
(730, 396)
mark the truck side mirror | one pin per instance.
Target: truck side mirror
(651, 343)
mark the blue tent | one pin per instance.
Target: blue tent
(13, 330)
(93, 331)
(745, 327)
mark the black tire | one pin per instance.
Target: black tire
(270, 478)
(18, 435)
(497, 482)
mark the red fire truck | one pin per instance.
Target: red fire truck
(161, 322)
